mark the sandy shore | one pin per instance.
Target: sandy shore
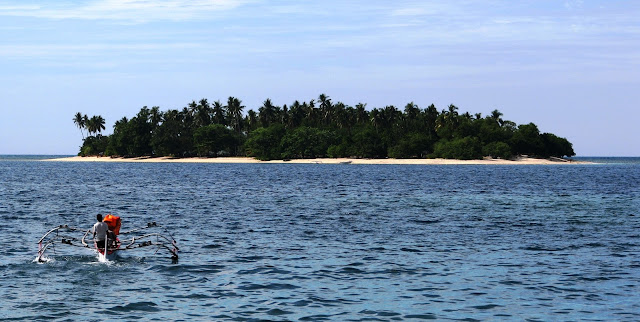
(523, 161)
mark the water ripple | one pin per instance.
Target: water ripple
(320, 242)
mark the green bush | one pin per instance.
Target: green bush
(416, 145)
(264, 143)
(497, 150)
(467, 148)
(557, 146)
(94, 145)
(367, 143)
(214, 140)
(306, 142)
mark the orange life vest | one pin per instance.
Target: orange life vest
(113, 222)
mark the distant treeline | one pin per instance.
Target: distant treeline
(318, 128)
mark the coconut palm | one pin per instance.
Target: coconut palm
(390, 116)
(96, 124)
(234, 113)
(284, 115)
(267, 113)
(155, 117)
(252, 120)
(376, 118)
(326, 109)
(192, 108)
(218, 112)
(497, 116)
(362, 116)
(91, 127)
(411, 110)
(411, 114)
(80, 121)
(340, 117)
(202, 113)
(296, 113)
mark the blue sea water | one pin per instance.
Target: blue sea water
(328, 242)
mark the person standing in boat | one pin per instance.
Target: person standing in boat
(100, 230)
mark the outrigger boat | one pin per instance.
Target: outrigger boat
(113, 244)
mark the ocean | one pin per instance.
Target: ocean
(315, 242)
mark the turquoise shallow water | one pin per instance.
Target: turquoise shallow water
(329, 242)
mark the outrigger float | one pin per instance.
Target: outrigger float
(63, 235)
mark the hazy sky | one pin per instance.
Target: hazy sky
(571, 67)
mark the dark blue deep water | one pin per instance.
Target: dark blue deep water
(328, 242)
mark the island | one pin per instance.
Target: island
(318, 131)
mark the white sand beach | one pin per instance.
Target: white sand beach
(521, 161)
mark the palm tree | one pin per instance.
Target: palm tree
(340, 117)
(186, 117)
(284, 115)
(234, 113)
(376, 118)
(411, 110)
(193, 106)
(326, 108)
(496, 116)
(155, 117)
(312, 115)
(297, 114)
(122, 122)
(411, 113)
(431, 115)
(267, 113)
(252, 120)
(218, 112)
(390, 115)
(90, 124)
(96, 124)
(362, 116)
(80, 121)
(451, 116)
(203, 113)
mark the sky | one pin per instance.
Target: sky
(571, 67)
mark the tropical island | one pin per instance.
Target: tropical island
(316, 129)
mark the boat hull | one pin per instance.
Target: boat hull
(110, 253)
(110, 256)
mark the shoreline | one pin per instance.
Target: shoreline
(519, 161)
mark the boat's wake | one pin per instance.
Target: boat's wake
(42, 260)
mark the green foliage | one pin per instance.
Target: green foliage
(489, 130)
(264, 143)
(556, 146)
(367, 143)
(170, 137)
(341, 150)
(121, 139)
(316, 128)
(413, 145)
(94, 145)
(527, 140)
(142, 131)
(467, 148)
(215, 140)
(306, 142)
(497, 150)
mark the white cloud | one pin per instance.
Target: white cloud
(573, 4)
(423, 9)
(124, 10)
(66, 51)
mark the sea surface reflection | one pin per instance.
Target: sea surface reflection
(328, 242)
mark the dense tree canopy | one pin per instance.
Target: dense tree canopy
(319, 128)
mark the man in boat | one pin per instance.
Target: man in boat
(100, 230)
